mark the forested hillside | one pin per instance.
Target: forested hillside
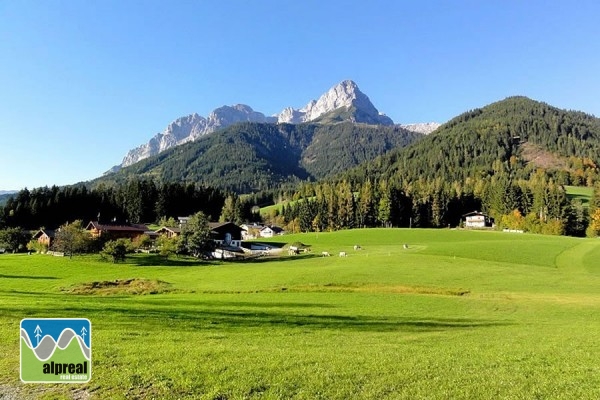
(510, 159)
(517, 135)
(250, 157)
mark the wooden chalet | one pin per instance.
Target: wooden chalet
(226, 234)
(131, 231)
(169, 232)
(45, 236)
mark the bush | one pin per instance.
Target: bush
(36, 246)
(117, 249)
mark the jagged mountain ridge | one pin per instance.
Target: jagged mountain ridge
(344, 99)
(425, 128)
(191, 127)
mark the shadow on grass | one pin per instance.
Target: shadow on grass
(191, 304)
(229, 316)
(224, 319)
(26, 277)
(268, 243)
(298, 257)
(156, 260)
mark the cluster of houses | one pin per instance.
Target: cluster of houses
(226, 235)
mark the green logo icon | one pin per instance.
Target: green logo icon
(56, 350)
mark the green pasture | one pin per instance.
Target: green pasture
(455, 315)
(582, 193)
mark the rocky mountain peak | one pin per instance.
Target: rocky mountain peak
(344, 100)
(345, 94)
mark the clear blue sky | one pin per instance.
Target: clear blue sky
(82, 82)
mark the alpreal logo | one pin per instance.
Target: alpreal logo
(56, 350)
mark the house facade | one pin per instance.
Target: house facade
(476, 219)
(169, 232)
(45, 237)
(226, 234)
(132, 231)
(270, 231)
(251, 231)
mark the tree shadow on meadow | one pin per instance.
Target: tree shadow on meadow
(228, 319)
(156, 260)
(26, 277)
(235, 316)
(281, 258)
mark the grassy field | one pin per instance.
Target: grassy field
(580, 192)
(456, 315)
(279, 206)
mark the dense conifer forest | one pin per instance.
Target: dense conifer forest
(251, 157)
(136, 201)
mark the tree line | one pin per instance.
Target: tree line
(538, 205)
(135, 201)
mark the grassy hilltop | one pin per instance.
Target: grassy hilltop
(457, 314)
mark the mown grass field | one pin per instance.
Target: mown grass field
(457, 315)
(584, 194)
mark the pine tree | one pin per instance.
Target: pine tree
(366, 205)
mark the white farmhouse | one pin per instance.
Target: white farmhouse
(270, 231)
(476, 219)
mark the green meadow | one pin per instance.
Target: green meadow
(582, 193)
(455, 315)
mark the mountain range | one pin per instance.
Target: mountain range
(343, 102)
(250, 156)
(343, 134)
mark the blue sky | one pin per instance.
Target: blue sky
(83, 82)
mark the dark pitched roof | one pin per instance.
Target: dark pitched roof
(274, 228)
(475, 213)
(167, 228)
(49, 232)
(117, 228)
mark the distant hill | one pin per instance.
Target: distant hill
(5, 195)
(517, 135)
(247, 157)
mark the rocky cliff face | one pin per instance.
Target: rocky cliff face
(424, 128)
(188, 128)
(345, 96)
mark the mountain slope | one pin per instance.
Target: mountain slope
(500, 136)
(345, 98)
(248, 157)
